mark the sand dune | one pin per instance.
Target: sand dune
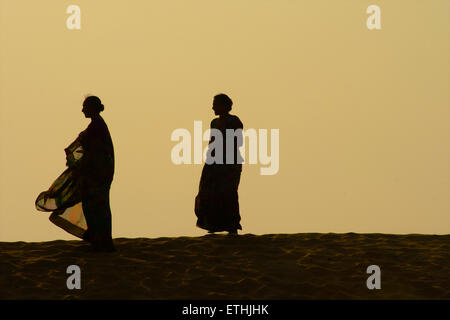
(273, 266)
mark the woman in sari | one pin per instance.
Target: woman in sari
(79, 198)
(217, 205)
(96, 173)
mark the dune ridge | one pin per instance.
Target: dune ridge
(271, 266)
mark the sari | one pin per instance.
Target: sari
(217, 201)
(79, 197)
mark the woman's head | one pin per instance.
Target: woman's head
(92, 106)
(222, 104)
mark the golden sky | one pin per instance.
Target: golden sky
(363, 115)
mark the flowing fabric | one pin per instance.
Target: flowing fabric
(64, 195)
(217, 203)
(79, 197)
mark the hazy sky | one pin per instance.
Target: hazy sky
(363, 115)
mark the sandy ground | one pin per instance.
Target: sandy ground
(273, 266)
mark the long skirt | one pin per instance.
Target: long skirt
(63, 199)
(81, 210)
(217, 202)
(97, 211)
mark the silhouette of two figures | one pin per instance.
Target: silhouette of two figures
(79, 197)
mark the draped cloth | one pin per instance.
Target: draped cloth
(79, 197)
(217, 202)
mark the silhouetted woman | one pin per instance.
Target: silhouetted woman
(96, 173)
(79, 198)
(217, 205)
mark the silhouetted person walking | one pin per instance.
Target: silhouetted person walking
(217, 205)
(96, 172)
(79, 198)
